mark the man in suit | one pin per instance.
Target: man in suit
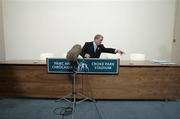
(95, 48)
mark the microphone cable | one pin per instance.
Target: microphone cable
(63, 111)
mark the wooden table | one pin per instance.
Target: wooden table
(136, 80)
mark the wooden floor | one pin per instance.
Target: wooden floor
(136, 80)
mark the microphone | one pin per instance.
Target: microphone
(73, 54)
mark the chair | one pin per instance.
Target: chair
(109, 56)
(137, 57)
(64, 56)
(43, 56)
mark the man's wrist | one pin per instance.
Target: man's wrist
(116, 51)
(119, 51)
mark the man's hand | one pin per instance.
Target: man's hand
(120, 52)
(87, 55)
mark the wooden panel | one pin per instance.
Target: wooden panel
(22, 80)
(135, 83)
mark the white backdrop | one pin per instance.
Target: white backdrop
(2, 50)
(32, 27)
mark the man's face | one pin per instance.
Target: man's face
(98, 41)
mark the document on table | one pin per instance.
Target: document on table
(162, 61)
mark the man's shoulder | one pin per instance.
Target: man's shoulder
(88, 43)
(101, 45)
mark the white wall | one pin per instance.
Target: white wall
(176, 44)
(135, 26)
(2, 49)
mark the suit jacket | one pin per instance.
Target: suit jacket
(89, 48)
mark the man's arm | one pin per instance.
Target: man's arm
(111, 50)
(84, 51)
(108, 50)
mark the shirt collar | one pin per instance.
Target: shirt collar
(94, 43)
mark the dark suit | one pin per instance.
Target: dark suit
(89, 48)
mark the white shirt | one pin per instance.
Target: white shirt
(95, 46)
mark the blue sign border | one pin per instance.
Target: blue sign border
(69, 72)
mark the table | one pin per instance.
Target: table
(136, 80)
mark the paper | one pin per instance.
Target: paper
(163, 62)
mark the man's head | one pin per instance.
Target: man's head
(98, 39)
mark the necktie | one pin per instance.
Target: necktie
(95, 47)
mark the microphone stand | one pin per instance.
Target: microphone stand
(74, 94)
